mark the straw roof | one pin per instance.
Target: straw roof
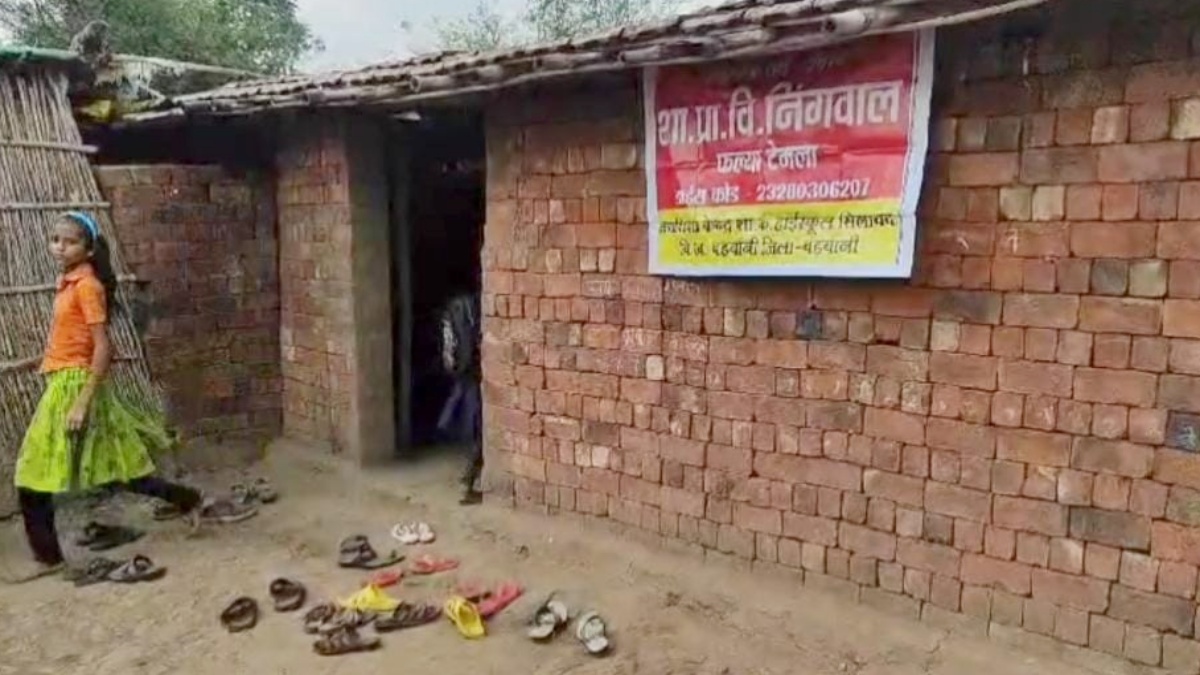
(44, 170)
(745, 28)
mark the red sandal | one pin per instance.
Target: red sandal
(505, 595)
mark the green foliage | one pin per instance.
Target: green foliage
(486, 28)
(258, 35)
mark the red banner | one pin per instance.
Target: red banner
(801, 164)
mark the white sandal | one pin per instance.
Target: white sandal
(425, 533)
(406, 534)
(593, 633)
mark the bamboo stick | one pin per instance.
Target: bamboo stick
(48, 145)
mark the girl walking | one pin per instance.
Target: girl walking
(83, 435)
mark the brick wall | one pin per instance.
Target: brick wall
(204, 242)
(1009, 435)
(334, 278)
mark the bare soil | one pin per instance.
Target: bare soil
(672, 612)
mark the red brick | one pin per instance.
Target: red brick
(1070, 590)
(1180, 655)
(1030, 515)
(958, 502)
(1111, 351)
(898, 488)
(1162, 612)
(782, 353)
(1177, 579)
(894, 425)
(1120, 315)
(1181, 318)
(1034, 447)
(1059, 166)
(865, 541)
(688, 503)
(1000, 574)
(1028, 377)
(1148, 498)
(982, 169)
(1143, 162)
(1120, 202)
(1139, 571)
(682, 450)
(1066, 555)
(1045, 311)
(1075, 488)
(837, 356)
(767, 521)
(1114, 457)
(822, 531)
(1112, 492)
(963, 370)
(832, 474)
(1115, 386)
(1113, 528)
(1177, 468)
(1113, 240)
(1179, 392)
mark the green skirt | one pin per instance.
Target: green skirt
(115, 447)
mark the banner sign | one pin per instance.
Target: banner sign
(802, 164)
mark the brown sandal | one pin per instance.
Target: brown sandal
(319, 616)
(240, 615)
(344, 641)
(407, 616)
(287, 595)
(357, 553)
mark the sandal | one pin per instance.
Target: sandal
(241, 494)
(386, 578)
(346, 618)
(550, 618)
(226, 512)
(137, 570)
(98, 537)
(425, 533)
(356, 553)
(593, 633)
(407, 616)
(371, 599)
(95, 571)
(287, 595)
(263, 491)
(465, 617)
(318, 616)
(427, 564)
(406, 534)
(473, 591)
(344, 641)
(505, 595)
(240, 615)
(164, 512)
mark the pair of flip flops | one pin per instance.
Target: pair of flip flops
(139, 569)
(242, 614)
(258, 492)
(425, 565)
(489, 602)
(356, 552)
(98, 537)
(591, 630)
(411, 534)
(407, 616)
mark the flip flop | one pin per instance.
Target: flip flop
(505, 595)
(263, 491)
(356, 553)
(371, 599)
(226, 512)
(95, 571)
(406, 534)
(241, 615)
(428, 564)
(344, 641)
(550, 618)
(407, 616)
(318, 616)
(592, 631)
(138, 570)
(465, 617)
(425, 533)
(473, 591)
(287, 595)
(386, 578)
(98, 537)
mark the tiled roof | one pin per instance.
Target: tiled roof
(744, 28)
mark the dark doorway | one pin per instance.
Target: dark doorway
(439, 203)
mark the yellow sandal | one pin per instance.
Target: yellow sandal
(465, 617)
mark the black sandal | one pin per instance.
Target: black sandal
(407, 616)
(287, 595)
(344, 641)
(137, 570)
(356, 552)
(98, 537)
(241, 615)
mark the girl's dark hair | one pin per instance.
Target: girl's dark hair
(101, 264)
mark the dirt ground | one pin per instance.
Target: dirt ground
(671, 612)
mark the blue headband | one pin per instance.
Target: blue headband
(86, 222)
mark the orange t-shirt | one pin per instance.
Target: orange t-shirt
(79, 305)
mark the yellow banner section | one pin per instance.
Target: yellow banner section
(832, 233)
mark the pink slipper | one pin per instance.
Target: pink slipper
(505, 595)
(428, 564)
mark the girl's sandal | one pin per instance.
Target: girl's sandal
(137, 570)
(344, 641)
(241, 615)
(592, 631)
(287, 595)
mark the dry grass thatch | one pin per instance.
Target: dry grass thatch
(44, 169)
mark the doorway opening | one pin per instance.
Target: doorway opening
(438, 198)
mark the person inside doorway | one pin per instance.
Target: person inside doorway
(462, 414)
